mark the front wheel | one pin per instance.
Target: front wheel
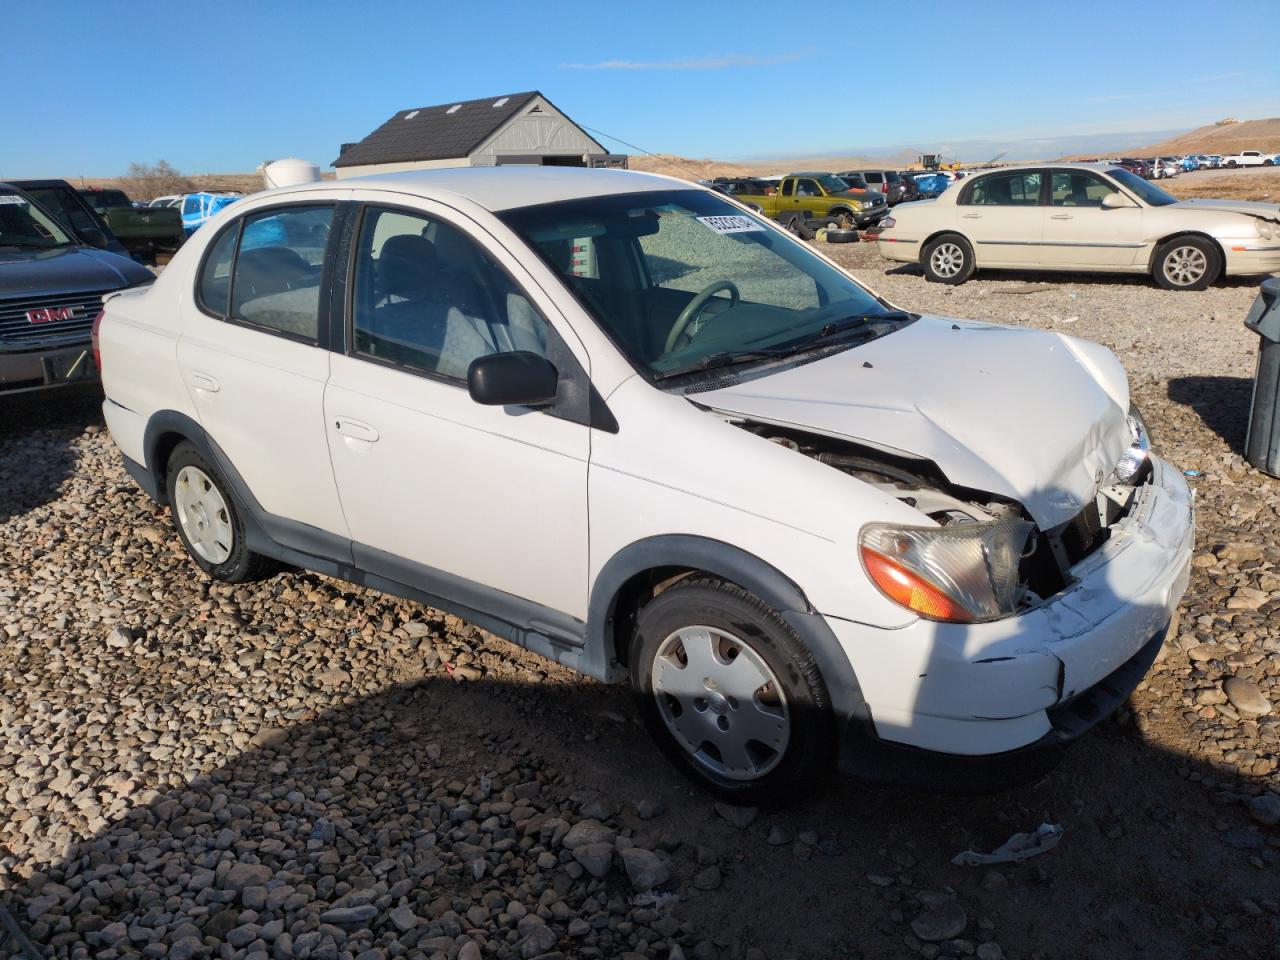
(947, 259)
(731, 694)
(1186, 263)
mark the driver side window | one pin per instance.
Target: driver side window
(429, 298)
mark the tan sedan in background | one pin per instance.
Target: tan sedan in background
(1081, 217)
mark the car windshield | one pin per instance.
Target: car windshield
(1147, 192)
(682, 281)
(23, 224)
(832, 184)
(106, 199)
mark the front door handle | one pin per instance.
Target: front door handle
(356, 429)
(1060, 216)
(202, 381)
(971, 216)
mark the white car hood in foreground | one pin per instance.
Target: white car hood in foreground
(1027, 414)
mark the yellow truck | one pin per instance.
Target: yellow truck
(820, 197)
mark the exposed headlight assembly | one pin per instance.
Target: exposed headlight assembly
(1266, 229)
(1135, 458)
(962, 573)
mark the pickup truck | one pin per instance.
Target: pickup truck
(820, 197)
(52, 284)
(63, 201)
(1248, 158)
(148, 233)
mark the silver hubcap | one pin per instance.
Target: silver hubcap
(721, 702)
(1185, 265)
(203, 514)
(947, 259)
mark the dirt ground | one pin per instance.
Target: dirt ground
(158, 731)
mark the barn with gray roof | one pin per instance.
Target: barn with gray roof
(517, 128)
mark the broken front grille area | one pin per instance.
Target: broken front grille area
(1047, 570)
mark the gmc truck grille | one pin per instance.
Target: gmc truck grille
(56, 317)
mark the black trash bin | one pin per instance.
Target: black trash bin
(1262, 445)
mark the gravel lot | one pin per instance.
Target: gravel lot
(298, 768)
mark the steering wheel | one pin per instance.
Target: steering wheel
(696, 306)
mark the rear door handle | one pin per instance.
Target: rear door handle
(202, 381)
(1059, 216)
(971, 216)
(356, 429)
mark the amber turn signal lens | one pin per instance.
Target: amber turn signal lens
(911, 591)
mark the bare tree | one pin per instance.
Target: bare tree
(146, 181)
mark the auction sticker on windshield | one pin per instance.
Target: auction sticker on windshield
(731, 224)
(12, 198)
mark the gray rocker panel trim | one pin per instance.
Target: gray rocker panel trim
(587, 648)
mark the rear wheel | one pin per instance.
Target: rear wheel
(208, 520)
(1186, 263)
(947, 259)
(730, 693)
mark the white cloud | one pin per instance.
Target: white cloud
(718, 62)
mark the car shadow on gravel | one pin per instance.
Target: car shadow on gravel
(37, 431)
(1222, 403)
(409, 822)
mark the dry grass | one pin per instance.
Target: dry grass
(1227, 185)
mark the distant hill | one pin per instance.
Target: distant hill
(1224, 139)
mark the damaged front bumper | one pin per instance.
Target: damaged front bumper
(963, 691)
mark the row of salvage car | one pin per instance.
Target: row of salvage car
(1092, 217)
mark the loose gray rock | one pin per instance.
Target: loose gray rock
(1265, 808)
(1246, 696)
(941, 920)
(645, 869)
(596, 858)
(346, 916)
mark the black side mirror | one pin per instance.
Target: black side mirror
(95, 237)
(515, 379)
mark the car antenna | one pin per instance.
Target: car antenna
(610, 136)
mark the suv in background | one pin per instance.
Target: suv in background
(888, 182)
(52, 285)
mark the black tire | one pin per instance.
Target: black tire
(241, 564)
(797, 226)
(1231, 164)
(1174, 258)
(1268, 163)
(948, 248)
(806, 756)
(840, 235)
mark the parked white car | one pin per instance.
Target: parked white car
(1248, 158)
(618, 419)
(1088, 217)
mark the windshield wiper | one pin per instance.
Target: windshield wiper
(845, 324)
(723, 359)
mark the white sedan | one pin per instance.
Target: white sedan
(1089, 217)
(619, 420)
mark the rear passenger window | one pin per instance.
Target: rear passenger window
(215, 275)
(276, 277)
(1006, 190)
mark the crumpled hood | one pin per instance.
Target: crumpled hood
(1254, 208)
(1027, 414)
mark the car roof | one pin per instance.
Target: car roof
(1052, 164)
(505, 188)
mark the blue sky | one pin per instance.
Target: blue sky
(219, 87)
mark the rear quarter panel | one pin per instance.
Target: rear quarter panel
(138, 340)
